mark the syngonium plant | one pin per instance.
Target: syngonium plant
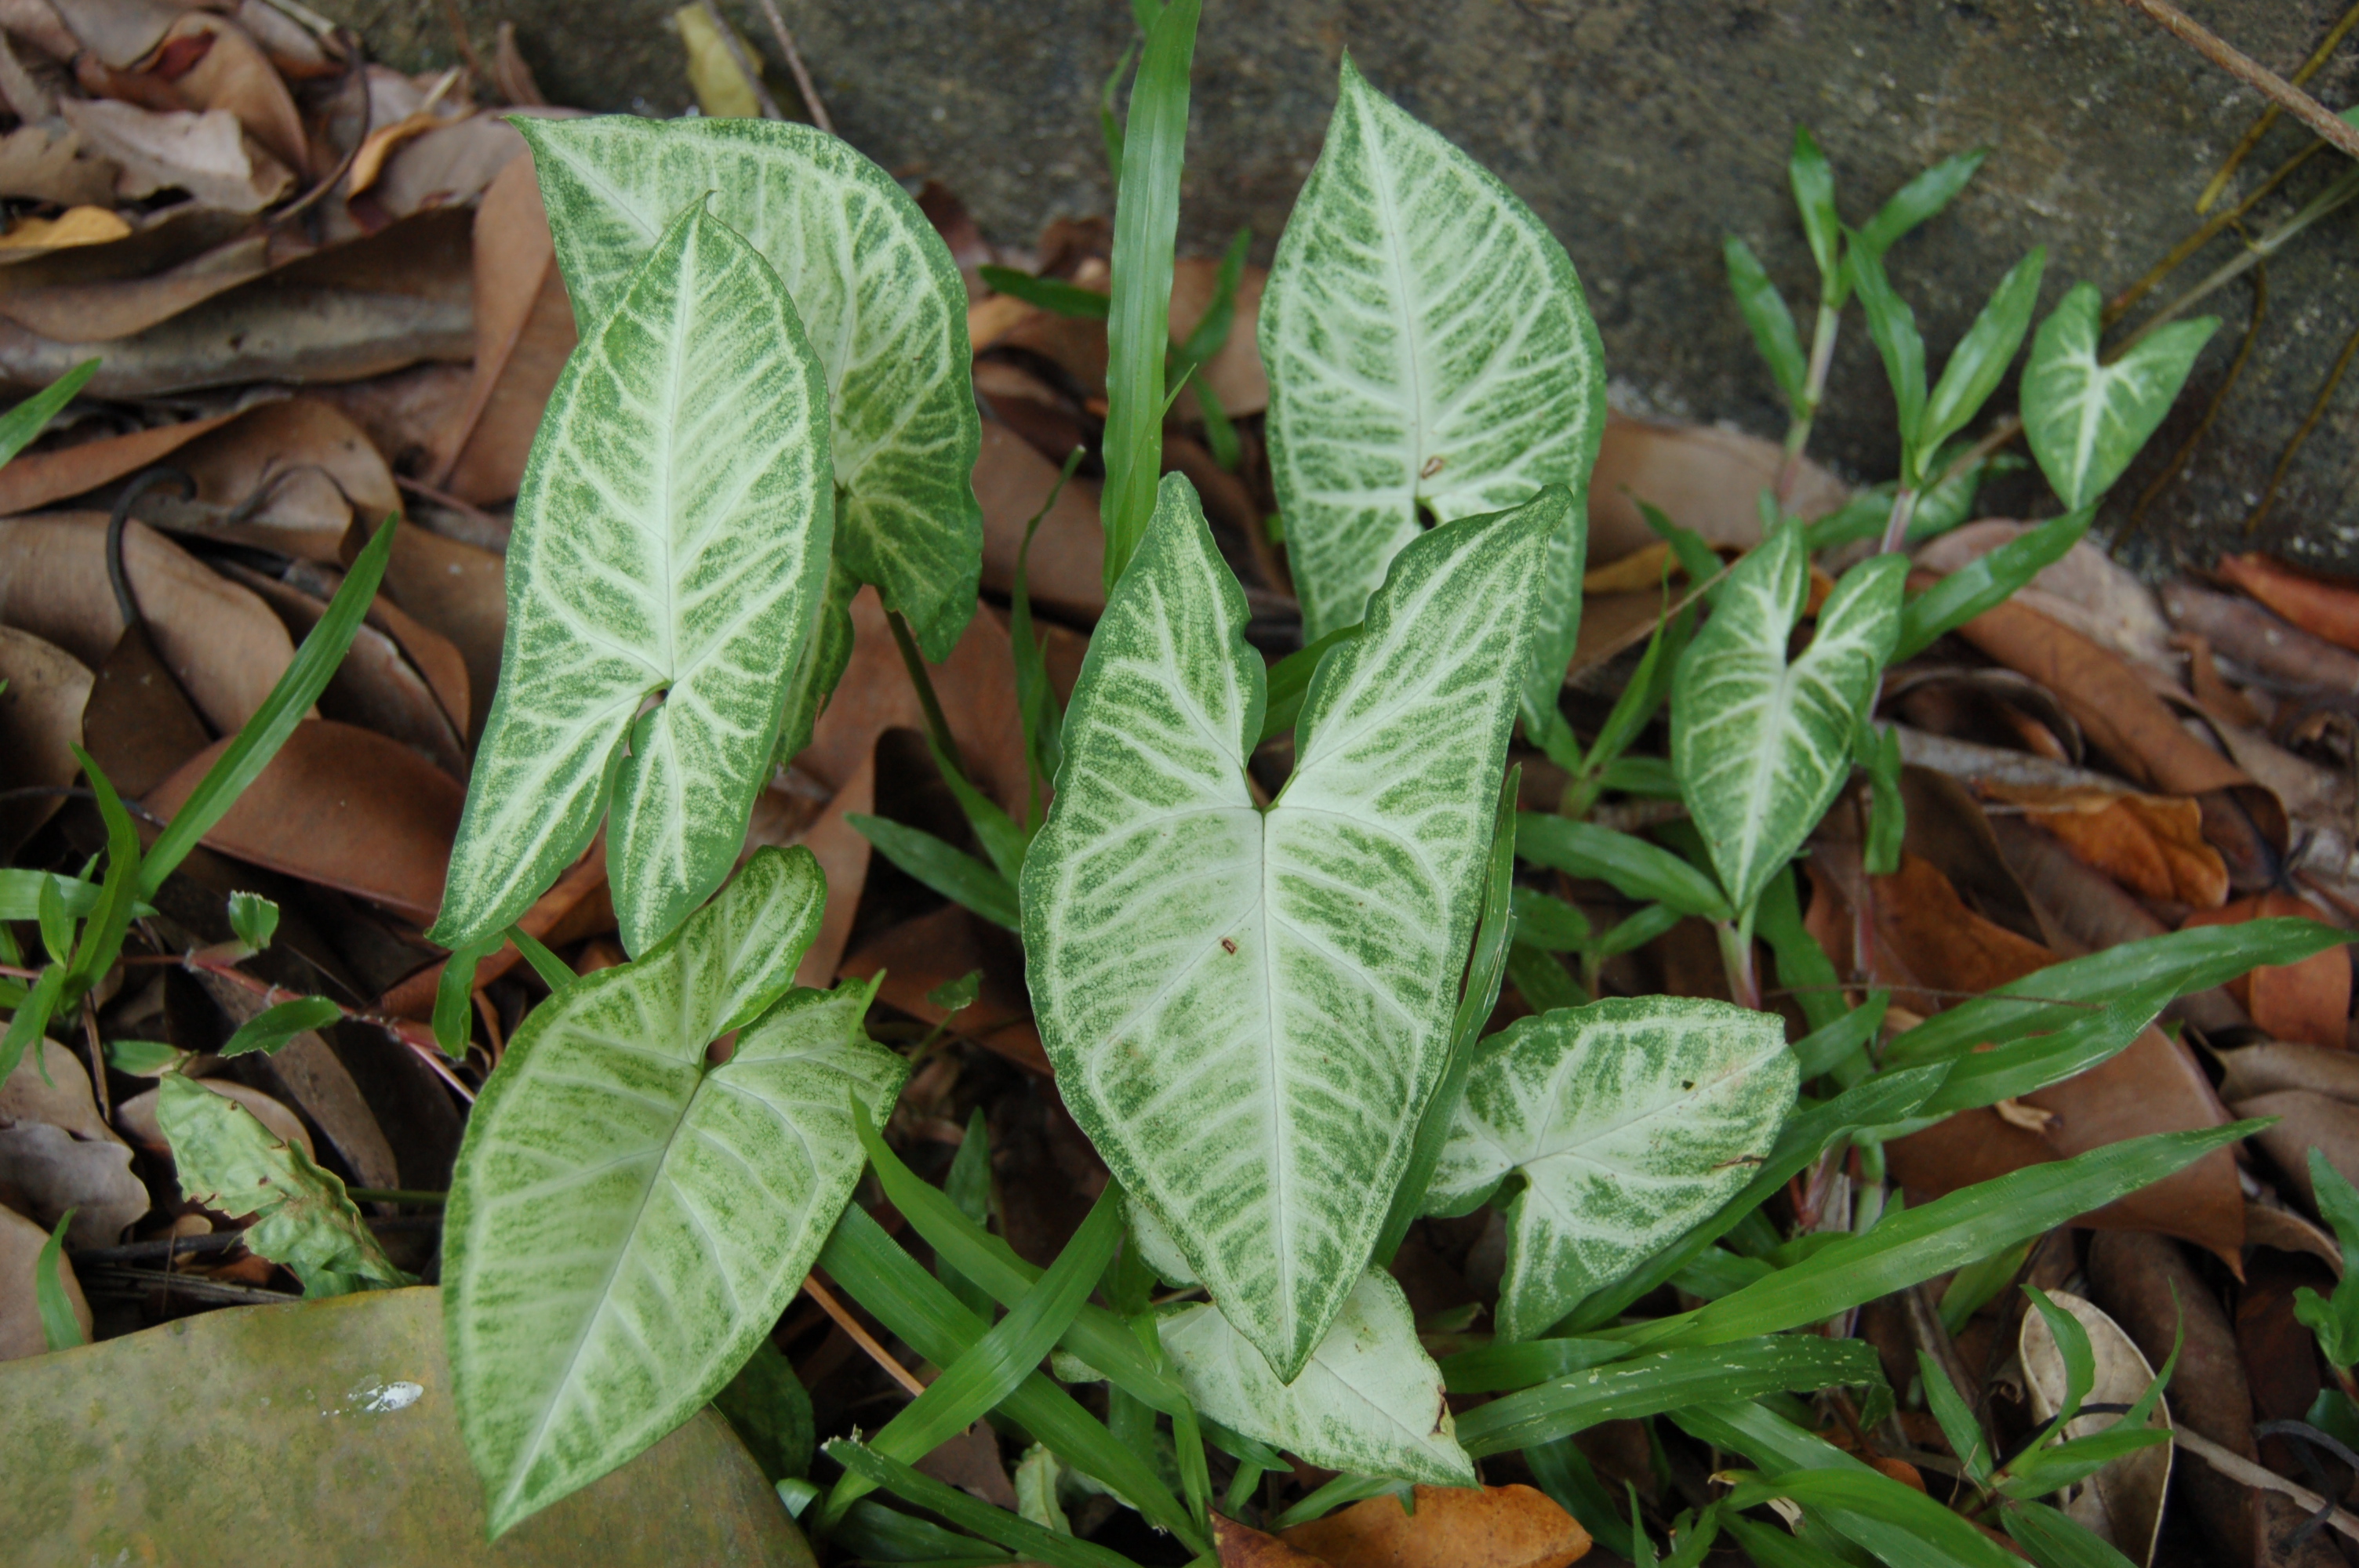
(1268, 1016)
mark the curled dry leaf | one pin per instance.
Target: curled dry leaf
(2273, 1066)
(2122, 1503)
(221, 643)
(2152, 845)
(40, 479)
(341, 807)
(45, 1171)
(40, 723)
(21, 1333)
(2306, 1120)
(1703, 477)
(119, 32)
(449, 165)
(136, 1117)
(2309, 1001)
(208, 156)
(2323, 608)
(231, 74)
(1454, 1527)
(296, 474)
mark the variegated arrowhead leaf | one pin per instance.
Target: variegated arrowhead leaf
(876, 291)
(626, 1220)
(1761, 746)
(1370, 1403)
(671, 539)
(1429, 352)
(1629, 1119)
(2086, 419)
(1247, 1010)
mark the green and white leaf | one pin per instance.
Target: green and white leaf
(1629, 1119)
(230, 1162)
(1429, 352)
(671, 539)
(875, 290)
(1762, 746)
(626, 1220)
(825, 654)
(1369, 1404)
(2086, 419)
(1248, 1009)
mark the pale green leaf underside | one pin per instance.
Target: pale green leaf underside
(1428, 346)
(876, 291)
(228, 1161)
(1370, 1403)
(671, 537)
(1630, 1119)
(625, 1220)
(1246, 1010)
(2085, 421)
(1761, 746)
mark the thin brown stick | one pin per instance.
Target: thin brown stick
(743, 58)
(2260, 127)
(2317, 412)
(860, 1335)
(803, 84)
(2119, 305)
(938, 727)
(2328, 126)
(2236, 1467)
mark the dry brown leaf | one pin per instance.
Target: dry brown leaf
(1065, 571)
(2152, 845)
(369, 162)
(45, 161)
(292, 50)
(119, 32)
(843, 852)
(136, 1117)
(1234, 373)
(75, 226)
(341, 807)
(138, 725)
(209, 156)
(970, 1463)
(45, 1171)
(2086, 591)
(222, 645)
(52, 1086)
(2283, 1231)
(2239, 630)
(296, 474)
(1454, 1527)
(2273, 1066)
(2306, 1122)
(40, 723)
(449, 166)
(457, 591)
(2309, 1001)
(231, 73)
(1703, 477)
(920, 955)
(34, 480)
(2323, 608)
(401, 412)
(21, 1332)
(524, 330)
(2122, 1503)
(1241, 1546)
(1642, 569)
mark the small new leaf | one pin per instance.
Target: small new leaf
(254, 919)
(1629, 1120)
(230, 1162)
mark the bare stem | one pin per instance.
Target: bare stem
(936, 725)
(1895, 530)
(860, 1335)
(2337, 195)
(1814, 388)
(2329, 127)
(796, 68)
(1737, 959)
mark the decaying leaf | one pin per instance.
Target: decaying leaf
(1486, 1527)
(141, 1119)
(57, 1153)
(2151, 845)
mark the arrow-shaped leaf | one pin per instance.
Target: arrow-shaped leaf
(1247, 1010)
(627, 1220)
(1429, 351)
(2086, 419)
(1370, 1403)
(671, 541)
(1761, 746)
(1630, 1120)
(873, 285)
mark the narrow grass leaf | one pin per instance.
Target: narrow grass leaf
(1051, 294)
(28, 419)
(1979, 362)
(1649, 1385)
(1987, 581)
(1942, 1536)
(1765, 312)
(60, 1328)
(1038, 1543)
(1636, 868)
(1920, 200)
(271, 1028)
(2055, 1540)
(952, 872)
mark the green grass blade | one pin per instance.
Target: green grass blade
(102, 938)
(554, 972)
(1037, 1542)
(1985, 583)
(59, 1325)
(953, 873)
(1636, 868)
(1649, 1385)
(31, 1020)
(273, 1027)
(1051, 294)
(28, 418)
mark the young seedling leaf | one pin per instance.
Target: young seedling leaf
(1634, 867)
(253, 919)
(2335, 1319)
(1893, 326)
(230, 1162)
(626, 1218)
(1761, 745)
(874, 288)
(1369, 1404)
(1246, 1010)
(1629, 1120)
(1980, 360)
(1766, 316)
(671, 541)
(1920, 200)
(2085, 419)
(1813, 181)
(1429, 351)
(271, 1028)
(1987, 581)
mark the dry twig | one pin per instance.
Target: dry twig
(2328, 126)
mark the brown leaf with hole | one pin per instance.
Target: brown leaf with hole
(1702, 477)
(524, 332)
(21, 1332)
(1241, 1546)
(1454, 1527)
(1924, 935)
(920, 955)
(341, 807)
(2323, 608)
(222, 645)
(2121, 1504)
(2309, 1001)
(1064, 572)
(40, 723)
(2152, 845)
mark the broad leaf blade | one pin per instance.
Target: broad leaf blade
(626, 1220)
(873, 286)
(2086, 419)
(671, 540)
(1762, 746)
(1366, 1404)
(1428, 348)
(1247, 1011)
(1630, 1119)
